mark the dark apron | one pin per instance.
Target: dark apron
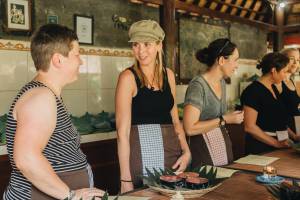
(172, 151)
(75, 180)
(200, 152)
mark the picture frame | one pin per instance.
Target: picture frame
(52, 19)
(18, 15)
(84, 28)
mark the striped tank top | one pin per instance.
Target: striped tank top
(62, 151)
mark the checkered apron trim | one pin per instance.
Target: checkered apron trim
(216, 146)
(152, 148)
(91, 176)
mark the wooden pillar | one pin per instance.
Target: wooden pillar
(168, 23)
(279, 17)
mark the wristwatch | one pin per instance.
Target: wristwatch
(222, 121)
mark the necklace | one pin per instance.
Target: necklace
(151, 84)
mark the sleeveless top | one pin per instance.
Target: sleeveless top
(62, 151)
(152, 106)
(290, 99)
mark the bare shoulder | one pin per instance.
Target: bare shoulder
(127, 80)
(171, 75)
(169, 72)
(36, 99)
(36, 114)
(126, 75)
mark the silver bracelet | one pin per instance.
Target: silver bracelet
(71, 195)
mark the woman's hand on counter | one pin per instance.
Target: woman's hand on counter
(297, 138)
(126, 187)
(235, 117)
(282, 144)
(182, 162)
(88, 194)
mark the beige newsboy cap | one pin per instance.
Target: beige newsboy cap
(146, 31)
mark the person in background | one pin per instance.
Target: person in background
(150, 134)
(287, 88)
(265, 114)
(205, 105)
(42, 143)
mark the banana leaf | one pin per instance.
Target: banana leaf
(274, 190)
(153, 178)
(285, 191)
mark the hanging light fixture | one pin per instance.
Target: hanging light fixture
(282, 4)
(279, 3)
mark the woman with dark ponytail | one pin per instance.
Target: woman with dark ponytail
(205, 105)
(266, 118)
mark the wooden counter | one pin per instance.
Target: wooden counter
(241, 186)
(288, 164)
(101, 151)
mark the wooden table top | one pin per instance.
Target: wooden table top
(288, 164)
(240, 186)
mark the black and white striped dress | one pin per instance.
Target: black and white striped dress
(62, 151)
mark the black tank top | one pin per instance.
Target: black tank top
(290, 99)
(152, 106)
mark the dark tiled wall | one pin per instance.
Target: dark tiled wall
(106, 32)
(194, 32)
(197, 33)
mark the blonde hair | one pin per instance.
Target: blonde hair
(158, 71)
(288, 50)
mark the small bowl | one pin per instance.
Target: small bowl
(171, 181)
(269, 180)
(196, 183)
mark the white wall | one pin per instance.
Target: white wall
(94, 90)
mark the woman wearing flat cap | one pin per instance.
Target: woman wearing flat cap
(150, 134)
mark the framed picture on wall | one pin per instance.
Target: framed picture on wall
(18, 15)
(52, 19)
(84, 28)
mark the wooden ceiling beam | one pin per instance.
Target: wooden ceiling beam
(234, 10)
(291, 28)
(158, 2)
(255, 8)
(225, 6)
(202, 3)
(247, 6)
(213, 5)
(240, 7)
(216, 14)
